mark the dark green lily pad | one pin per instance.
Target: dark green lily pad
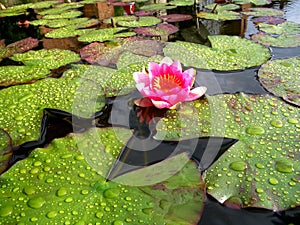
(52, 191)
(281, 77)
(6, 150)
(287, 28)
(143, 21)
(182, 2)
(163, 29)
(63, 15)
(22, 105)
(262, 169)
(226, 53)
(52, 58)
(221, 15)
(263, 12)
(284, 41)
(69, 31)
(157, 7)
(222, 7)
(254, 2)
(102, 35)
(43, 4)
(11, 75)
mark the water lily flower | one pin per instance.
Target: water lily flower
(165, 85)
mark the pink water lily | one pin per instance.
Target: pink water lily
(165, 85)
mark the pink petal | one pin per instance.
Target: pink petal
(176, 65)
(166, 60)
(143, 102)
(188, 77)
(196, 93)
(141, 77)
(180, 96)
(161, 104)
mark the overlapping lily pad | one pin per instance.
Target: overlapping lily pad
(63, 15)
(15, 10)
(163, 29)
(255, 2)
(263, 12)
(221, 15)
(52, 58)
(268, 19)
(157, 7)
(22, 106)
(100, 35)
(69, 31)
(222, 7)
(262, 169)
(6, 150)
(176, 17)
(283, 41)
(143, 21)
(182, 2)
(281, 77)
(126, 58)
(287, 28)
(59, 185)
(43, 4)
(62, 22)
(226, 53)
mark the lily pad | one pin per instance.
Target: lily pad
(117, 19)
(268, 19)
(52, 58)
(281, 77)
(43, 4)
(63, 15)
(254, 2)
(55, 192)
(222, 7)
(163, 29)
(11, 75)
(22, 121)
(221, 15)
(287, 28)
(283, 41)
(157, 7)
(176, 17)
(64, 22)
(263, 12)
(15, 10)
(102, 35)
(226, 53)
(6, 150)
(69, 31)
(262, 169)
(143, 21)
(182, 2)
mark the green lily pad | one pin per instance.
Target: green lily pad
(102, 35)
(254, 2)
(65, 22)
(11, 75)
(52, 191)
(226, 53)
(60, 8)
(69, 31)
(43, 4)
(262, 169)
(157, 7)
(283, 41)
(220, 15)
(52, 58)
(263, 12)
(63, 15)
(281, 77)
(223, 7)
(22, 105)
(14, 11)
(6, 150)
(143, 21)
(117, 19)
(287, 28)
(182, 2)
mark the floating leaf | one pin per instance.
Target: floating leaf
(102, 35)
(65, 22)
(52, 58)
(143, 21)
(22, 106)
(223, 7)
(157, 7)
(15, 10)
(255, 2)
(6, 150)
(268, 19)
(221, 15)
(263, 12)
(44, 4)
(69, 31)
(176, 17)
(117, 19)
(284, 41)
(226, 53)
(281, 77)
(63, 15)
(262, 169)
(126, 58)
(11, 75)
(182, 2)
(55, 192)
(287, 28)
(162, 29)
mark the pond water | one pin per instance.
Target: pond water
(120, 111)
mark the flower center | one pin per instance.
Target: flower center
(166, 82)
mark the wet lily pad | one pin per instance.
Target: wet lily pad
(11, 75)
(226, 53)
(222, 7)
(287, 28)
(182, 2)
(268, 19)
(281, 77)
(284, 41)
(63, 15)
(60, 8)
(126, 58)
(157, 7)
(263, 12)
(43, 4)
(55, 192)
(262, 169)
(176, 17)
(64, 22)
(143, 21)
(254, 2)
(22, 121)
(52, 58)
(102, 35)
(117, 19)
(69, 31)
(163, 29)
(12, 11)
(221, 15)
(6, 150)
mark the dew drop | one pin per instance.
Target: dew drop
(69, 199)
(36, 203)
(84, 192)
(52, 214)
(284, 166)
(163, 204)
(28, 190)
(259, 190)
(273, 181)
(238, 165)
(292, 121)
(148, 211)
(259, 165)
(6, 211)
(99, 215)
(255, 130)
(118, 222)
(276, 123)
(61, 192)
(111, 193)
